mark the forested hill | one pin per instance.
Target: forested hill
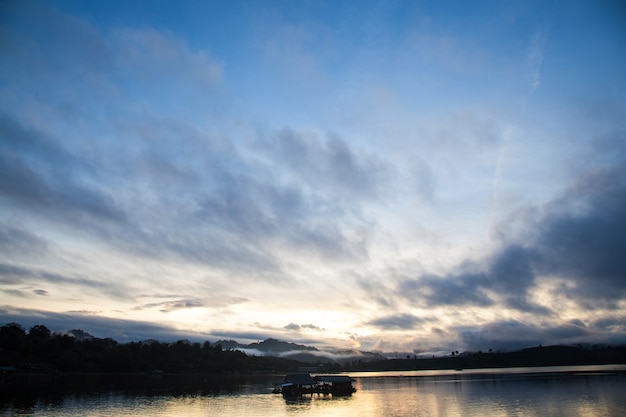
(77, 351)
(536, 356)
(267, 346)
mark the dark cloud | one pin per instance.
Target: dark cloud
(38, 175)
(296, 327)
(15, 293)
(507, 279)
(586, 244)
(12, 274)
(232, 215)
(185, 303)
(40, 292)
(98, 326)
(377, 293)
(180, 305)
(329, 165)
(458, 290)
(88, 312)
(513, 334)
(615, 324)
(229, 212)
(169, 306)
(17, 240)
(580, 240)
(245, 215)
(398, 321)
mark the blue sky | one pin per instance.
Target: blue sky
(392, 176)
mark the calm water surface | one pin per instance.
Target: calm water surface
(556, 391)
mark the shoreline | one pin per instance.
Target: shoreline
(504, 370)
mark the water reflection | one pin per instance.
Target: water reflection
(554, 395)
(25, 394)
(450, 394)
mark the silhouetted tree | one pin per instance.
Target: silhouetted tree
(39, 334)
(12, 337)
(39, 341)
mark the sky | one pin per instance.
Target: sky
(377, 175)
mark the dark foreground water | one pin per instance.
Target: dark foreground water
(557, 391)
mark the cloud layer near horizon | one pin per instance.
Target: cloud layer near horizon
(289, 186)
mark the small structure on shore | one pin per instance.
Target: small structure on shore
(302, 384)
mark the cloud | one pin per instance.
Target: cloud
(378, 292)
(292, 326)
(154, 181)
(230, 202)
(297, 327)
(535, 59)
(169, 306)
(187, 303)
(327, 164)
(17, 240)
(149, 55)
(96, 325)
(578, 240)
(398, 321)
(37, 174)
(51, 48)
(462, 289)
(242, 336)
(513, 334)
(584, 244)
(17, 275)
(447, 52)
(15, 293)
(612, 323)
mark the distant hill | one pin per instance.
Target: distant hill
(359, 360)
(302, 353)
(268, 346)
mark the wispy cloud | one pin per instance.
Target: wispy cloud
(535, 61)
(16, 240)
(400, 322)
(12, 275)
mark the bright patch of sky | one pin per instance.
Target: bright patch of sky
(398, 175)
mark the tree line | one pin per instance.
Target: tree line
(40, 350)
(529, 357)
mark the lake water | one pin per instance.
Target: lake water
(590, 391)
